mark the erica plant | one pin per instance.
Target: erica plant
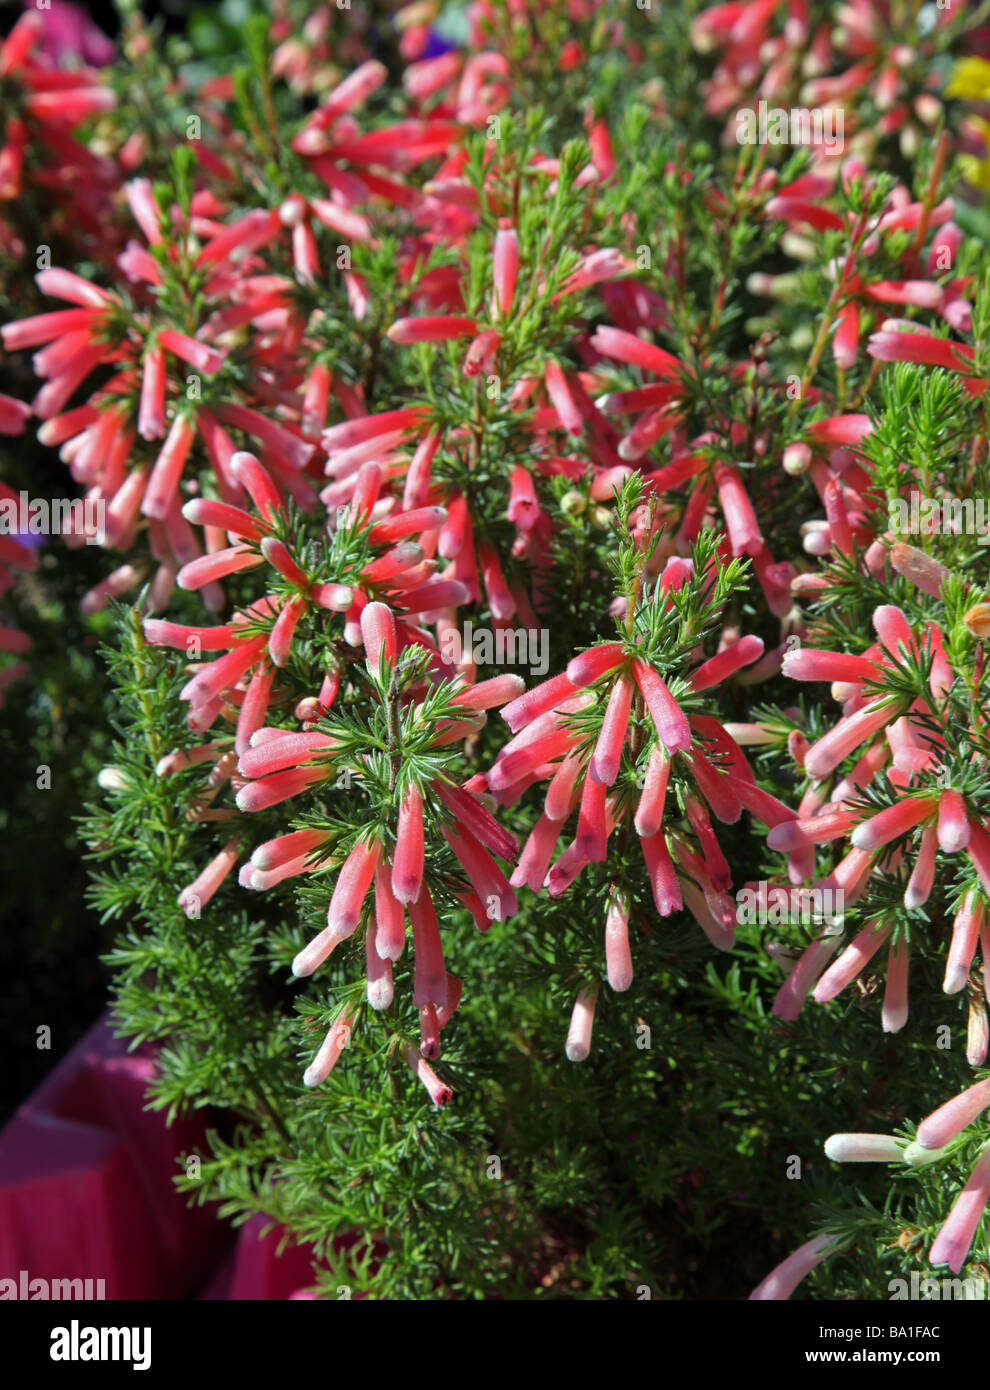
(536, 540)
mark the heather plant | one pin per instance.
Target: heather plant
(536, 764)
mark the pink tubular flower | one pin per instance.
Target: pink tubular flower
(407, 864)
(440, 1093)
(781, 1282)
(337, 1039)
(379, 635)
(801, 979)
(951, 1245)
(892, 822)
(953, 822)
(193, 898)
(740, 519)
(430, 985)
(856, 955)
(505, 270)
(578, 1043)
(432, 330)
(671, 723)
(943, 1125)
(352, 885)
(848, 735)
(379, 989)
(894, 1014)
(965, 937)
(618, 959)
(604, 765)
(390, 930)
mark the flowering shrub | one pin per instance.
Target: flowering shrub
(537, 536)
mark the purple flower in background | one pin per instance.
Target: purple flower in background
(437, 45)
(69, 33)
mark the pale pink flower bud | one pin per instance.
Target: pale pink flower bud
(618, 958)
(280, 639)
(977, 1034)
(663, 879)
(202, 888)
(848, 735)
(894, 1014)
(151, 411)
(808, 664)
(922, 878)
(311, 957)
(864, 1148)
(796, 988)
(336, 1040)
(922, 570)
(491, 693)
(578, 1043)
(164, 480)
(379, 975)
(720, 667)
(537, 853)
(537, 701)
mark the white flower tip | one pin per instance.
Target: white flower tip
(380, 994)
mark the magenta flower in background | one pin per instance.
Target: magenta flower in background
(69, 36)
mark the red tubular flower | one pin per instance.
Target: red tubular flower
(431, 330)
(407, 863)
(430, 986)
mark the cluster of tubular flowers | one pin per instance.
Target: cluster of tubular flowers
(768, 49)
(160, 388)
(398, 572)
(931, 1142)
(888, 734)
(39, 151)
(388, 867)
(641, 721)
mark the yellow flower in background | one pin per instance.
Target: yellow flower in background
(970, 81)
(974, 169)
